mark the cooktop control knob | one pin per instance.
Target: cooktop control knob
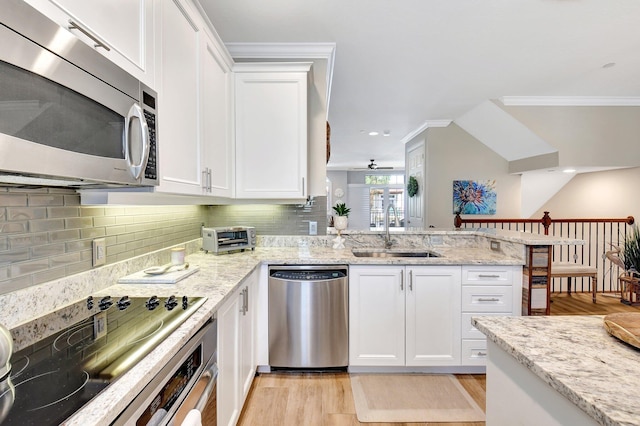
(171, 303)
(90, 302)
(105, 303)
(124, 303)
(152, 303)
(185, 302)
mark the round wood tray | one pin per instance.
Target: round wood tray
(624, 326)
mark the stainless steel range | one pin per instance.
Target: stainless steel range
(97, 342)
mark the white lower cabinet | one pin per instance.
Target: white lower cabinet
(404, 315)
(236, 346)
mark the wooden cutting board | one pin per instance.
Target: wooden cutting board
(624, 326)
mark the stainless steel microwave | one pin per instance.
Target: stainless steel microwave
(68, 115)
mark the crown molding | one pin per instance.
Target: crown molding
(326, 51)
(569, 101)
(424, 126)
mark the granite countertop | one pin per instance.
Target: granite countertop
(219, 276)
(576, 357)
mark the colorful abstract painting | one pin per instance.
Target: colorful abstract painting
(474, 196)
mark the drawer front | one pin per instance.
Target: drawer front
(474, 352)
(487, 298)
(469, 331)
(487, 275)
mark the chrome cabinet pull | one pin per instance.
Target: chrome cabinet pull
(97, 40)
(246, 299)
(410, 280)
(482, 353)
(488, 299)
(402, 280)
(208, 179)
(488, 276)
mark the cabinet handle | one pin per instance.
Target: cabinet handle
(304, 192)
(97, 40)
(410, 280)
(208, 179)
(246, 299)
(488, 299)
(488, 276)
(402, 280)
(204, 179)
(481, 353)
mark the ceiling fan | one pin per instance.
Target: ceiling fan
(374, 166)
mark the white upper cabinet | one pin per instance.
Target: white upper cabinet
(216, 108)
(271, 130)
(124, 27)
(178, 56)
(195, 102)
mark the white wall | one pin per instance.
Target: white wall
(453, 154)
(610, 194)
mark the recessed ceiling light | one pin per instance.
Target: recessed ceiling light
(386, 133)
(373, 133)
(609, 65)
(569, 170)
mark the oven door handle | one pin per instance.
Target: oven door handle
(212, 374)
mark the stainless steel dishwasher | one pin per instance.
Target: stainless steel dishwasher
(308, 316)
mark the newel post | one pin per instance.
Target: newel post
(457, 221)
(546, 222)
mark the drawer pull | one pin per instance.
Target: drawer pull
(488, 276)
(480, 353)
(488, 299)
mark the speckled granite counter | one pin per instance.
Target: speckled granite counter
(575, 356)
(220, 275)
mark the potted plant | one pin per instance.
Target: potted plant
(340, 219)
(631, 252)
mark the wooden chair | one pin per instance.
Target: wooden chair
(569, 270)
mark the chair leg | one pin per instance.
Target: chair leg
(569, 286)
(594, 283)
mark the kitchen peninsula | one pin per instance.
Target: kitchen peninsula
(561, 370)
(220, 278)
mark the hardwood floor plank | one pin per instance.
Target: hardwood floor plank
(267, 406)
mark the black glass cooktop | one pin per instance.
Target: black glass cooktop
(55, 376)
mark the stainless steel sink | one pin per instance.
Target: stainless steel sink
(394, 253)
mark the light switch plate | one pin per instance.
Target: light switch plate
(313, 228)
(99, 252)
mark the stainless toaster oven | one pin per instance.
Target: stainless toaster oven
(226, 239)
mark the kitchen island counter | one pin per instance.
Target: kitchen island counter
(570, 358)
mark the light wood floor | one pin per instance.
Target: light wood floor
(325, 399)
(322, 399)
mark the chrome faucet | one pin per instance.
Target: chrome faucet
(387, 238)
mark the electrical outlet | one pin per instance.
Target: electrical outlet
(495, 245)
(99, 251)
(313, 228)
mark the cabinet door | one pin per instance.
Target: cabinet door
(271, 133)
(229, 346)
(376, 316)
(125, 26)
(217, 121)
(433, 315)
(179, 139)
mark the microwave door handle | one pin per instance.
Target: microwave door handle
(212, 374)
(136, 168)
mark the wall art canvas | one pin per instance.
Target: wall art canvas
(474, 196)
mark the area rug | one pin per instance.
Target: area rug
(398, 398)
